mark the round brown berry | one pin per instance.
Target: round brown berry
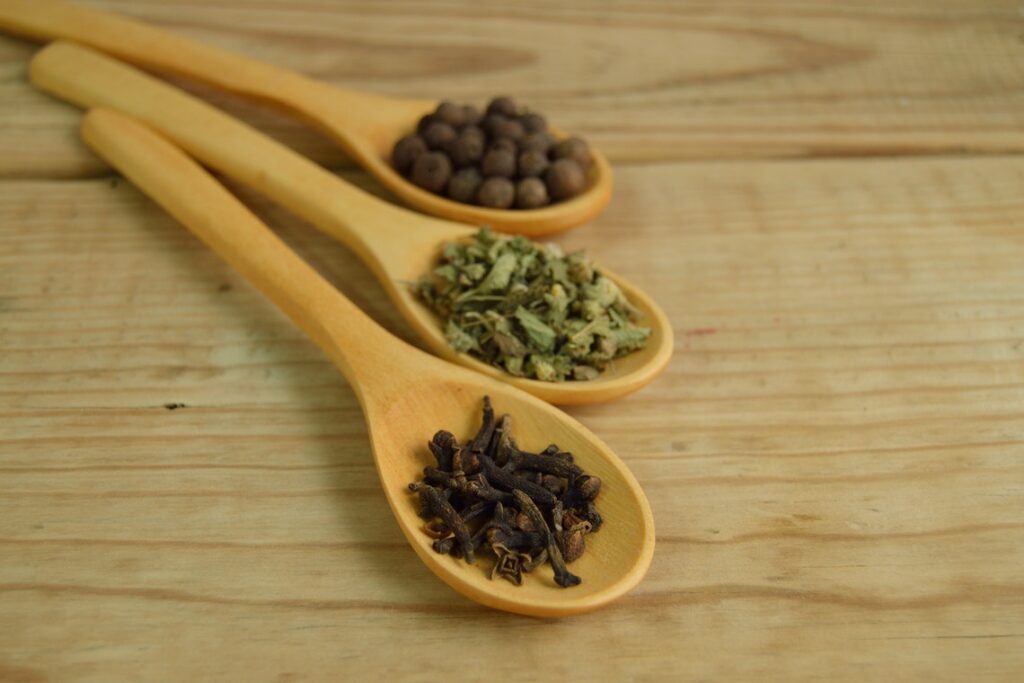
(499, 162)
(438, 134)
(496, 193)
(534, 123)
(425, 121)
(406, 151)
(564, 179)
(468, 148)
(452, 114)
(575, 149)
(508, 128)
(503, 105)
(471, 116)
(532, 163)
(540, 141)
(505, 144)
(531, 194)
(431, 171)
(464, 185)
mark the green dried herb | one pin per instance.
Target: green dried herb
(529, 309)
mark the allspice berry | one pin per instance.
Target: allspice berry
(531, 194)
(496, 193)
(508, 128)
(438, 135)
(503, 105)
(540, 140)
(464, 185)
(406, 151)
(451, 113)
(505, 144)
(533, 163)
(431, 171)
(575, 149)
(468, 148)
(471, 116)
(491, 122)
(534, 123)
(499, 162)
(425, 121)
(500, 156)
(564, 179)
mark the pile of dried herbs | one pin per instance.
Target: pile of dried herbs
(526, 508)
(529, 309)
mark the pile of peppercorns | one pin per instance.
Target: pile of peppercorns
(498, 159)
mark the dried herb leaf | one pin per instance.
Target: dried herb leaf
(529, 309)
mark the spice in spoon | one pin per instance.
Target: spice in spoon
(529, 309)
(526, 509)
(504, 147)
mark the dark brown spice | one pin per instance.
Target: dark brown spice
(505, 145)
(531, 193)
(500, 163)
(464, 185)
(496, 193)
(470, 138)
(425, 121)
(575, 149)
(431, 171)
(438, 135)
(471, 115)
(540, 142)
(533, 163)
(407, 151)
(504, 105)
(524, 516)
(533, 122)
(509, 128)
(452, 114)
(564, 179)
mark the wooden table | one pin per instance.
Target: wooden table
(824, 196)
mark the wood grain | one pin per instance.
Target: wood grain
(655, 81)
(835, 456)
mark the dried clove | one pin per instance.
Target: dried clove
(439, 506)
(527, 508)
(563, 577)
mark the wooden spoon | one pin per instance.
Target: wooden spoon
(366, 126)
(399, 245)
(406, 394)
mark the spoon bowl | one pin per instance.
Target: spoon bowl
(365, 125)
(406, 394)
(397, 244)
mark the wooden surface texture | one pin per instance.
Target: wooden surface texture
(825, 197)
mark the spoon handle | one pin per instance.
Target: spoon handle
(365, 224)
(355, 343)
(154, 48)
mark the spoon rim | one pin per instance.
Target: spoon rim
(548, 220)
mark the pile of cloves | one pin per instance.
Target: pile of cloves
(526, 508)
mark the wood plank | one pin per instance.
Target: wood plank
(654, 81)
(834, 456)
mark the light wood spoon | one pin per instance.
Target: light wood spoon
(406, 394)
(398, 245)
(366, 126)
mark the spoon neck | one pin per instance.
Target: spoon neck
(218, 218)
